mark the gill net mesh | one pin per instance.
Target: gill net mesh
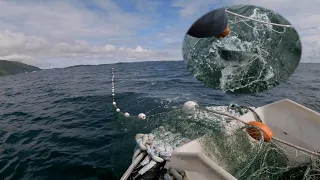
(223, 139)
(263, 53)
(226, 142)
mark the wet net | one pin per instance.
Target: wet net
(227, 143)
(262, 50)
(224, 139)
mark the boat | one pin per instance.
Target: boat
(295, 129)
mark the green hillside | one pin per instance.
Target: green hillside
(13, 67)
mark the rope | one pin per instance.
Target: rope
(245, 17)
(273, 138)
(284, 28)
(127, 114)
(143, 116)
(297, 147)
(153, 153)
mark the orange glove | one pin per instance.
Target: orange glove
(225, 33)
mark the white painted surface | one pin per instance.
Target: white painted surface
(288, 120)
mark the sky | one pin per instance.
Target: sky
(60, 33)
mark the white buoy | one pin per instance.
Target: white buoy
(142, 116)
(114, 103)
(190, 106)
(126, 114)
(112, 94)
(118, 110)
(112, 90)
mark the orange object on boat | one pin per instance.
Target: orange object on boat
(254, 133)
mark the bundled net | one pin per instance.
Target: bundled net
(225, 140)
(227, 143)
(223, 137)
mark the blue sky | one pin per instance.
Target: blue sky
(60, 33)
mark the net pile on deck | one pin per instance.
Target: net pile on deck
(176, 128)
(225, 140)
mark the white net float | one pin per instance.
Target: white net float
(118, 110)
(126, 114)
(114, 103)
(112, 94)
(142, 116)
(190, 106)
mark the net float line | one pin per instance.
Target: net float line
(125, 114)
(262, 129)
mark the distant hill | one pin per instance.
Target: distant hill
(13, 67)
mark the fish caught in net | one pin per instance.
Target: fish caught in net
(258, 54)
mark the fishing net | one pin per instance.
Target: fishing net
(258, 54)
(269, 55)
(223, 138)
(227, 143)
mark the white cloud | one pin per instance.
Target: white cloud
(32, 49)
(47, 31)
(16, 42)
(62, 33)
(189, 8)
(18, 57)
(70, 19)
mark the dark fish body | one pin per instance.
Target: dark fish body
(237, 56)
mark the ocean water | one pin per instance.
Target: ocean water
(60, 123)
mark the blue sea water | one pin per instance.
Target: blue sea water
(60, 123)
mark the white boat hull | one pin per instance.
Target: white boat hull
(288, 120)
